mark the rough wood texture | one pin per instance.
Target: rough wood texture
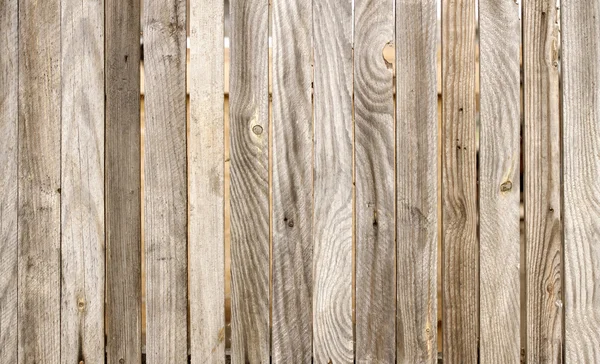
(375, 207)
(499, 171)
(249, 130)
(459, 182)
(82, 176)
(39, 181)
(292, 182)
(332, 261)
(206, 150)
(581, 156)
(417, 181)
(542, 182)
(165, 181)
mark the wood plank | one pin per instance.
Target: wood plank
(165, 181)
(39, 181)
(206, 188)
(542, 182)
(581, 178)
(82, 179)
(249, 134)
(499, 171)
(459, 181)
(292, 181)
(417, 181)
(333, 178)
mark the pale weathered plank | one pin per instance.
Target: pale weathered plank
(292, 181)
(542, 182)
(581, 156)
(82, 179)
(332, 261)
(249, 130)
(39, 181)
(165, 181)
(499, 171)
(459, 182)
(206, 151)
(417, 181)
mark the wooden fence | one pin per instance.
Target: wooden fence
(342, 181)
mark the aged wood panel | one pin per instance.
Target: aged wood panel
(292, 181)
(499, 171)
(417, 181)
(165, 181)
(581, 156)
(249, 130)
(332, 261)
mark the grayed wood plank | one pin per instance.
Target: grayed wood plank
(249, 130)
(165, 181)
(581, 178)
(542, 182)
(499, 171)
(206, 151)
(332, 261)
(39, 181)
(374, 174)
(292, 181)
(417, 181)
(459, 181)
(82, 179)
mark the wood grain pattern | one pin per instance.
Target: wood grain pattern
(39, 181)
(542, 182)
(165, 181)
(206, 188)
(459, 181)
(374, 177)
(581, 178)
(249, 130)
(499, 171)
(333, 210)
(417, 181)
(292, 181)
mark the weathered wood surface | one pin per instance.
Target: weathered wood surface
(292, 182)
(165, 181)
(417, 181)
(542, 182)
(249, 130)
(581, 179)
(499, 173)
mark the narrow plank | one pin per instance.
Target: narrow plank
(292, 181)
(542, 182)
(332, 261)
(206, 185)
(165, 181)
(39, 181)
(459, 181)
(82, 179)
(581, 178)
(417, 181)
(499, 171)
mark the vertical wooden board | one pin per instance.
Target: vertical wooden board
(82, 176)
(332, 261)
(39, 181)
(206, 151)
(499, 170)
(459, 181)
(165, 181)
(417, 181)
(581, 178)
(292, 181)
(542, 182)
(249, 198)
